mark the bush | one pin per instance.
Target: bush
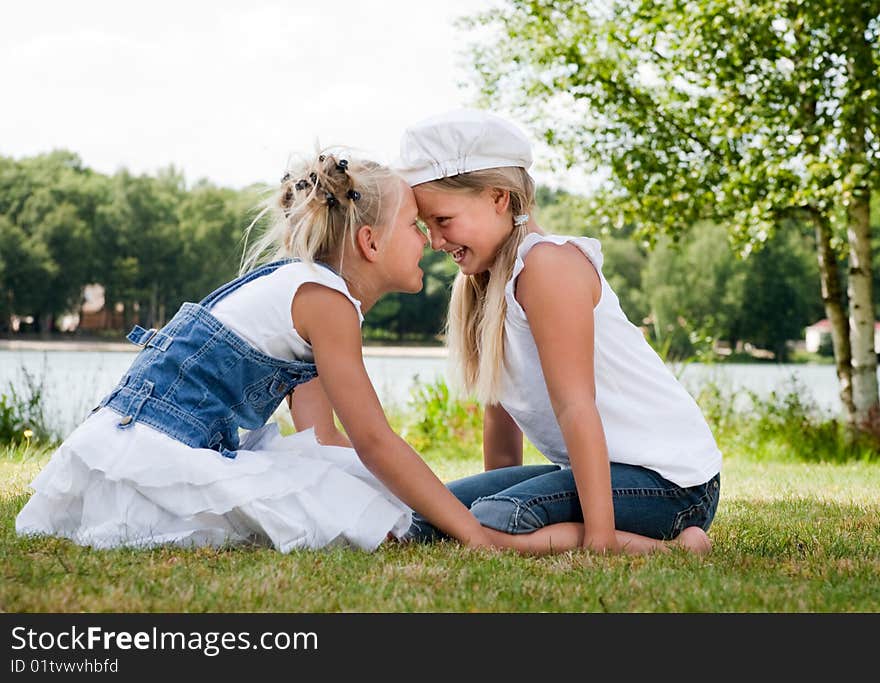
(438, 419)
(21, 415)
(785, 425)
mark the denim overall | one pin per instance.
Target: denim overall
(199, 382)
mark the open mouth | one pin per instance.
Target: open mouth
(458, 254)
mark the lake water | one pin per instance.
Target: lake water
(75, 381)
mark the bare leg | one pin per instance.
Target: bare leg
(564, 536)
(555, 538)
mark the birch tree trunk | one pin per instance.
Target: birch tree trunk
(832, 297)
(861, 311)
(860, 66)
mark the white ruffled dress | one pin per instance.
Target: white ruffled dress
(105, 487)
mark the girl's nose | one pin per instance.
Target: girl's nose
(437, 240)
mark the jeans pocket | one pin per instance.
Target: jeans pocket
(701, 513)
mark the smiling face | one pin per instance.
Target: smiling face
(404, 246)
(470, 227)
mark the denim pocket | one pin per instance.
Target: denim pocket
(701, 513)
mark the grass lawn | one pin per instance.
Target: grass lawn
(789, 537)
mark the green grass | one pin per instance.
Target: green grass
(789, 537)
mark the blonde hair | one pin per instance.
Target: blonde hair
(477, 307)
(321, 203)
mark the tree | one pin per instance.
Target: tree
(698, 290)
(750, 114)
(779, 294)
(142, 253)
(27, 270)
(49, 201)
(211, 225)
(695, 289)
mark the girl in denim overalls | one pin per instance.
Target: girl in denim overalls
(162, 459)
(536, 332)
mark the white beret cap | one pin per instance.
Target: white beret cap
(460, 141)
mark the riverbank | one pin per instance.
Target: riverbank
(97, 345)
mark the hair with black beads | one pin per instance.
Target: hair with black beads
(322, 202)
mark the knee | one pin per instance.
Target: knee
(506, 514)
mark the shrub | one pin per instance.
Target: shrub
(21, 414)
(436, 418)
(786, 425)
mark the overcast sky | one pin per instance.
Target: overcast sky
(225, 90)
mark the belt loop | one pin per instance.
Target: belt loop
(140, 335)
(136, 404)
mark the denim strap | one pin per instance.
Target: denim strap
(151, 337)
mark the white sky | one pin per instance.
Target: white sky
(225, 90)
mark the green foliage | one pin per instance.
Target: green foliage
(750, 115)
(701, 110)
(698, 290)
(560, 212)
(151, 242)
(624, 265)
(22, 419)
(786, 425)
(154, 243)
(439, 420)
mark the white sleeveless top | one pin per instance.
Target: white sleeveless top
(648, 417)
(259, 310)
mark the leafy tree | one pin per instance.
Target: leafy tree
(27, 268)
(142, 256)
(743, 113)
(50, 201)
(697, 290)
(211, 224)
(776, 306)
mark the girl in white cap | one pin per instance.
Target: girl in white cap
(536, 333)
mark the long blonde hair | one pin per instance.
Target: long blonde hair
(320, 203)
(477, 307)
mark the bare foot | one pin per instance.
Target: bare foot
(694, 539)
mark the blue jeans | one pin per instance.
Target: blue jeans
(522, 499)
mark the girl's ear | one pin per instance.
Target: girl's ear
(367, 242)
(501, 199)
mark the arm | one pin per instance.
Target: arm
(502, 439)
(329, 322)
(310, 407)
(565, 345)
